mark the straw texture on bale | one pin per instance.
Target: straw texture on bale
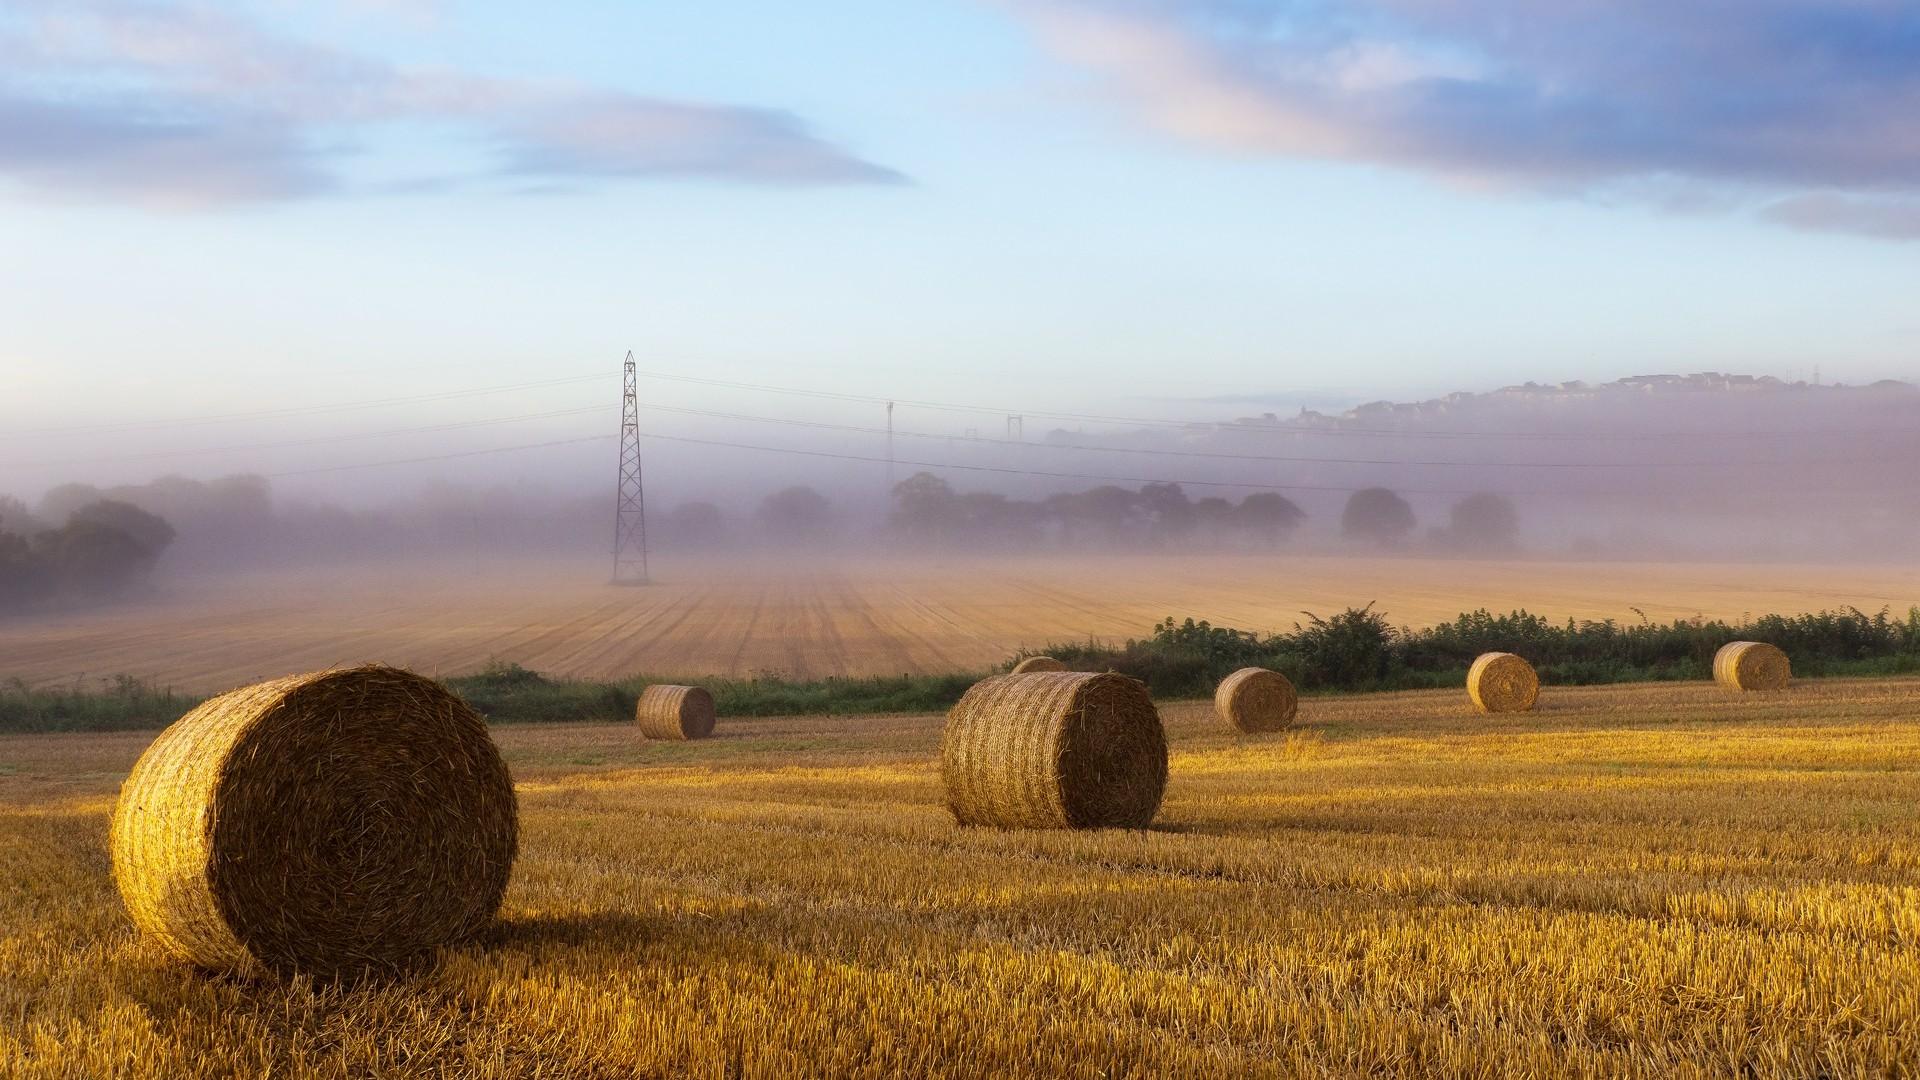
(1038, 663)
(1254, 700)
(1751, 665)
(674, 712)
(1500, 682)
(319, 823)
(1055, 749)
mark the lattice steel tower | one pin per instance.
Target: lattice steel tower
(630, 513)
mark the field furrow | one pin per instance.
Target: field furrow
(872, 616)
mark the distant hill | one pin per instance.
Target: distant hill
(1534, 397)
(1708, 460)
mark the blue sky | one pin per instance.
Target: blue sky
(1082, 204)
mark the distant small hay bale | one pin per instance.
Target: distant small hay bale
(1055, 749)
(1038, 663)
(320, 823)
(1254, 700)
(1500, 682)
(674, 712)
(1751, 665)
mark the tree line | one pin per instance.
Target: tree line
(927, 511)
(81, 541)
(103, 549)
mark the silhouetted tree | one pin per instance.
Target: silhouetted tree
(91, 557)
(925, 509)
(217, 519)
(1269, 516)
(1377, 515)
(1213, 511)
(1484, 522)
(23, 578)
(1213, 519)
(695, 524)
(797, 513)
(59, 503)
(1059, 508)
(1171, 510)
(1107, 509)
(150, 531)
(228, 511)
(16, 518)
(995, 520)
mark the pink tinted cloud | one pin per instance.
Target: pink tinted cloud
(1762, 95)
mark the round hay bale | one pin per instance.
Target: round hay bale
(1254, 700)
(674, 712)
(1055, 749)
(1751, 665)
(319, 823)
(1038, 663)
(1500, 682)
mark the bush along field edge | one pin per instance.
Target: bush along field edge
(1356, 651)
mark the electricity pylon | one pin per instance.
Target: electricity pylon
(630, 512)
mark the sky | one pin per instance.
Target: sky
(215, 211)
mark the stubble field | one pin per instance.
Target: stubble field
(1646, 880)
(843, 616)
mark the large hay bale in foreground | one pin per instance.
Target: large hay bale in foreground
(674, 712)
(1751, 665)
(1254, 699)
(1038, 663)
(318, 823)
(1500, 682)
(1055, 749)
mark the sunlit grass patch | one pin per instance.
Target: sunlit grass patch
(1647, 880)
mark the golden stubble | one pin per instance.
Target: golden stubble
(1648, 880)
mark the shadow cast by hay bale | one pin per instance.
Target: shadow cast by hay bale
(598, 930)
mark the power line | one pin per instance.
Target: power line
(442, 457)
(937, 405)
(1255, 486)
(1156, 452)
(1276, 426)
(324, 439)
(300, 410)
(1228, 425)
(1183, 483)
(1025, 472)
(945, 406)
(935, 436)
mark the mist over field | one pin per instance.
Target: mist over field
(1704, 467)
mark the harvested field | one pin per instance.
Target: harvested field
(1647, 880)
(858, 617)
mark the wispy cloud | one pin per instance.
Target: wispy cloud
(166, 156)
(1891, 218)
(618, 135)
(186, 106)
(1592, 96)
